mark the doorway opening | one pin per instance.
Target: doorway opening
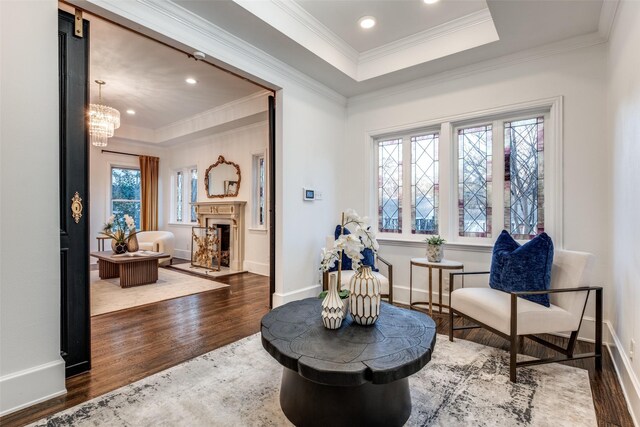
(169, 303)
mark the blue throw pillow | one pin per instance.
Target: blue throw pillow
(368, 254)
(527, 267)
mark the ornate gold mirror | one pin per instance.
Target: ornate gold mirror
(222, 179)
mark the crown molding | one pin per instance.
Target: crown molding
(297, 12)
(442, 30)
(607, 18)
(564, 46)
(180, 25)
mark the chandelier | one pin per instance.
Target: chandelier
(103, 120)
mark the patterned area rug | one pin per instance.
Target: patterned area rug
(107, 295)
(465, 384)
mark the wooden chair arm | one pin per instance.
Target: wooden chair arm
(453, 275)
(558, 291)
(384, 261)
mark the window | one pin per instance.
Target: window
(524, 177)
(125, 193)
(495, 162)
(474, 181)
(185, 195)
(259, 191)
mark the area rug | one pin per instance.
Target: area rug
(205, 272)
(465, 384)
(107, 295)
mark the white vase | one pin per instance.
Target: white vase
(434, 253)
(332, 306)
(364, 300)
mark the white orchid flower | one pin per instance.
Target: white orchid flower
(329, 258)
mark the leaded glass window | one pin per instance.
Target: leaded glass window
(424, 184)
(194, 194)
(390, 186)
(474, 181)
(524, 177)
(179, 180)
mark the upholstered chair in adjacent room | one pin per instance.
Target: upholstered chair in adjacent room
(157, 241)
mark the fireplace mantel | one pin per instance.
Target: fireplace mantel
(226, 212)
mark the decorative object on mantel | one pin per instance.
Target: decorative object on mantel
(435, 251)
(364, 287)
(333, 307)
(103, 120)
(117, 230)
(222, 179)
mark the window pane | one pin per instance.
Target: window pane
(194, 194)
(179, 196)
(125, 184)
(121, 207)
(424, 184)
(390, 186)
(261, 193)
(474, 181)
(523, 177)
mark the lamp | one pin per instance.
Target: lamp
(103, 120)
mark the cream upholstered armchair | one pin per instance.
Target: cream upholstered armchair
(157, 241)
(513, 318)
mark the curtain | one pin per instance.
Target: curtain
(149, 193)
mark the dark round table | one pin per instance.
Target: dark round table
(356, 375)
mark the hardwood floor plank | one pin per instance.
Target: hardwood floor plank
(132, 344)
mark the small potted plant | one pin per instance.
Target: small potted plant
(435, 251)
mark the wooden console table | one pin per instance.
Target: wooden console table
(132, 270)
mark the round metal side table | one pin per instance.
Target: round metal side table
(442, 265)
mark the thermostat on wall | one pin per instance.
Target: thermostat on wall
(308, 194)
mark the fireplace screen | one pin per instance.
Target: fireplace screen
(205, 247)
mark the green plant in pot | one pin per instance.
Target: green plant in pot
(435, 250)
(121, 231)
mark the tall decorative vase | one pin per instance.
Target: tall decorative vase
(434, 253)
(118, 247)
(364, 301)
(332, 306)
(132, 243)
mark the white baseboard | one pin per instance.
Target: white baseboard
(22, 389)
(257, 268)
(182, 254)
(280, 299)
(626, 375)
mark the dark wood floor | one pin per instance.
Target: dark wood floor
(131, 344)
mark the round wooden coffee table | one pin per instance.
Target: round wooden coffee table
(356, 375)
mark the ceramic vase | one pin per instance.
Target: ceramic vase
(364, 298)
(435, 253)
(118, 247)
(332, 306)
(132, 243)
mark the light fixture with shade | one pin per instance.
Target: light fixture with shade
(103, 120)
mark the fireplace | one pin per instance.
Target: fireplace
(229, 217)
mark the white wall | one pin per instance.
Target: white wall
(100, 181)
(578, 76)
(624, 141)
(310, 129)
(238, 146)
(31, 369)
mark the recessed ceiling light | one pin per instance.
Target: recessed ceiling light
(131, 112)
(431, 1)
(191, 80)
(367, 22)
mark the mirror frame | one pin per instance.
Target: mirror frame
(221, 160)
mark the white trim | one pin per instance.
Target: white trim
(183, 224)
(283, 298)
(182, 254)
(429, 35)
(607, 18)
(626, 375)
(260, 268)
(28, 387)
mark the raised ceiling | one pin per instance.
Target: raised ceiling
(149, 78)
(314, 36)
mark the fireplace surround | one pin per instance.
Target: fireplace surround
(229, 213)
